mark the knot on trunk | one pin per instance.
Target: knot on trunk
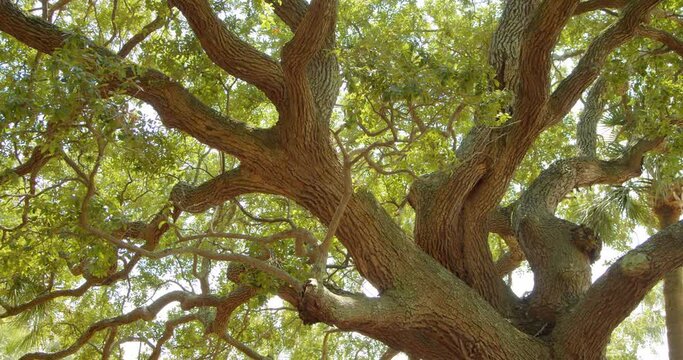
(310, 308)
(587, 241)
(423, 188)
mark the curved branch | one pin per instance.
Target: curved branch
(40, 156)
(34, 163)
(89, 283)
(535, 59)
(243, 348)
(511, 259)
(148, 29)
(311, 35)
(563, 176)
(389, 354)
(376, 317)
(228, 51)
(588, 68)
(241, 295)
(14, 310)
(667, 39)
(176, 106)
(500, 221)
(290, 11)
(146, 313)
(592, 5)
(586, 129)
(109, 343)
(169, 327)
(193, 199)
(238, 181)
(149, 232)
(617, 292)
(311, 75)
(247, 260)
(560, 252)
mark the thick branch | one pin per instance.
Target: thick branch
(506, 41)
(290, 11)
(586, 129)
(511, 259)
(311, 35)
(562, 177)
(506, 146)
(585, 331)
(224, 310)
(323, 69)
(389, 354)
(592, 5)
(500, 221)
(109, 343)
(671, 42)
(239, 181)
(558, 251)
(535, 59)
(175, 105)
(34, 163)
(386, 319)
(588, 68)
(311, 75)
(438, 202)
(229, 52)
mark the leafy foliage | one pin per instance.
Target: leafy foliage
(416, 78)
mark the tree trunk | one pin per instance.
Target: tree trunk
(440, 295)
(668, 214)
(673, 300)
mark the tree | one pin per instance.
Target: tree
(661, 194)
(667, 207)
(302, 149)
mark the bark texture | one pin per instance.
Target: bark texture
(668, 206)
(441, 292)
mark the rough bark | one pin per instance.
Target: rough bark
(441, 295)
(507, 40)
(668, 206)
(586, 134)
(673, 300)
(559, 252)
(584, 332)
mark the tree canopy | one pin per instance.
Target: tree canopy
(337, 179)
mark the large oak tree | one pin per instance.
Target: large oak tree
(169, 167)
